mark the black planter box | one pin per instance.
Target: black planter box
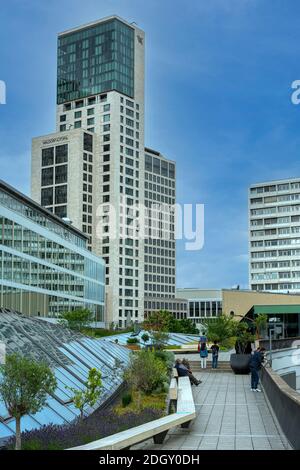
(240, 363)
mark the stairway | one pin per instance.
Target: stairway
(223, 366)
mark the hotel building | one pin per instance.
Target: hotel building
(100, 182)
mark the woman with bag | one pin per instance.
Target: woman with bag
(203, 354)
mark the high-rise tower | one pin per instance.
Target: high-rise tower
(92, 170)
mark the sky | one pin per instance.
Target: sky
(218, 102)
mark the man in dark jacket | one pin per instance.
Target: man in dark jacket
(183, 371)
(256, 361)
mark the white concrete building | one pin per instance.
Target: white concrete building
(274, 236)
(160, 187)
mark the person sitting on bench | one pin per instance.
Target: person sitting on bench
(184, 372)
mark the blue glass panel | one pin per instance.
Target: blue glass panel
(47, 416)
(68, 379)
(3, 410)
(91, 360)
(61, 410)
(80, 366)
(5, 431)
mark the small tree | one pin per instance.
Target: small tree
(220, 328)
(24, 387)
(260, 322)
(157, 324)
(76, 319)
(244, 337)
(91, 394)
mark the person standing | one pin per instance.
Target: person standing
(203, 354)
(256, 361)
(215, 355)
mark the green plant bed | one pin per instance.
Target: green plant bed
(101, 332)
(100, 424)
(141, 402)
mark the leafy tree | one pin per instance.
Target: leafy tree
(158, 321)
(24, 386)
(91, 394)
(260, 323)
(77, 319)
(157, 324)
(220, 328)
(187, 326)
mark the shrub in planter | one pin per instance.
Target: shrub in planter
(239, 362)
(166, 356)
(146, 372)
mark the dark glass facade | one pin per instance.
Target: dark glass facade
(94, 60)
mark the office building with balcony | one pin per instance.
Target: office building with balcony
(274, 236)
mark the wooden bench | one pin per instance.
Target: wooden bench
(181, 392)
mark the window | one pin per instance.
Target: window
(47, 197)
(90, 121)
(61, 174)
(106, 127)
(48, 156)
(171, 170)
(77, 114)
(90, 111)
(61, 153)
(61, 211)
(156, 165)
(106, 117)
(62, 117)
(129, 112)
(88, 142)
(61, 194)
(92, 100)
(106, 107)
(47, 176)
(62, 127)
(77, 124)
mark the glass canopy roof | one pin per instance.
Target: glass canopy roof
(70, 355)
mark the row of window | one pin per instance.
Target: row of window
(275, 187)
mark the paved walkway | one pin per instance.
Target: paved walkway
(229, 416)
